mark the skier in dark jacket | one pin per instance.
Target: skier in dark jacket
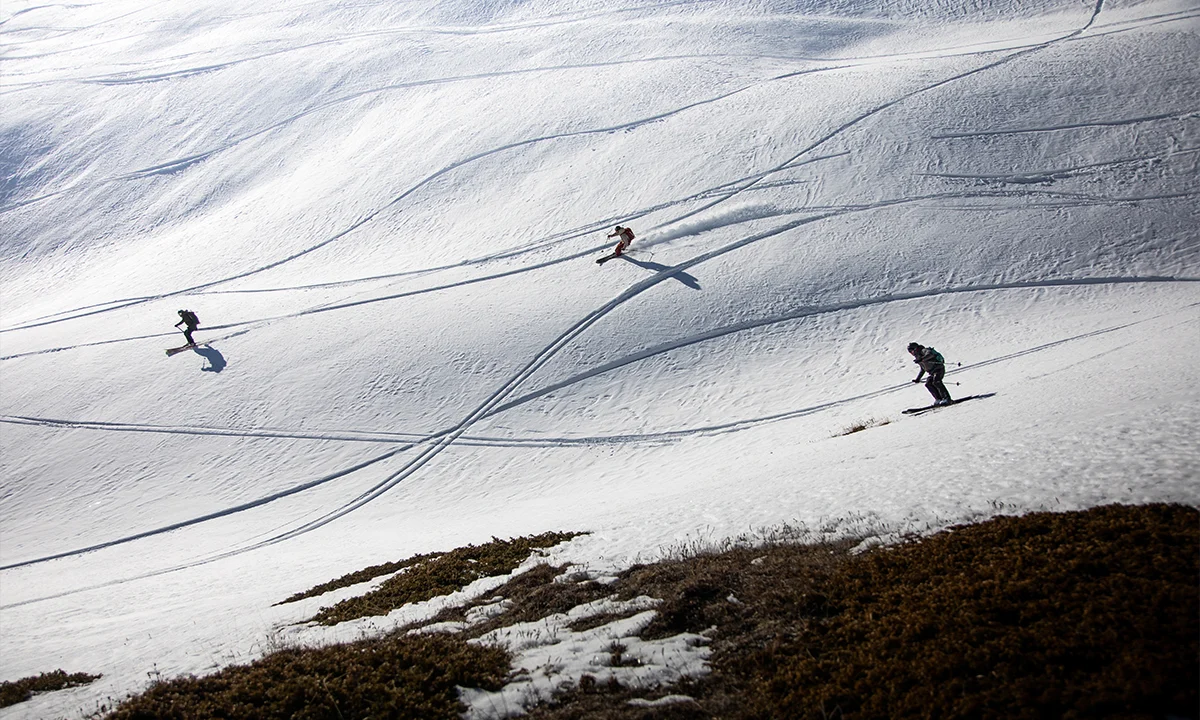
(188, 319)
(931, 362)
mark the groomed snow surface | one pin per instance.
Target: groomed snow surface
(386, 215)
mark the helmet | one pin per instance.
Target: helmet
(913, 347)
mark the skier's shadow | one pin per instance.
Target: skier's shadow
(216, 361)
(686, 279)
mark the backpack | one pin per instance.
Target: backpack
(190, 318)
(937, 356)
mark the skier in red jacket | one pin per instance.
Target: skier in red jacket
(626, 236)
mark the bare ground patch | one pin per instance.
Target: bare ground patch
(17, 691)
(429, 576)
(1084, 614)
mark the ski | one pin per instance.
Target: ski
(180, 349)
(611, 256)
(927, 408)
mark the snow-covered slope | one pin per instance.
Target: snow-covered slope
(385, 215)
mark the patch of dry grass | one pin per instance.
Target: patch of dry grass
(860, 425)
(1086, 614)
(403, 677)
(441, 574)
(360, 576)
(17, 691)
(1091, 614)
(530, 596)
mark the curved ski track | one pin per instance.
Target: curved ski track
(1059, 199)
(731, 426)
(182, 162)
(380, 436)
(506, 254)
(496, 401)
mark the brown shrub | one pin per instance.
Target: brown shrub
(359, 576)
(17, 691)
(1073, 615)
(1091, 614)
(530, 596)
(400, 677)
(441, 574)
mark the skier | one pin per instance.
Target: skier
(626, 236)
(191, 322)
(931, 362)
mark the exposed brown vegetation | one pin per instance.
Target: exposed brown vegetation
(400, 677)
(13, 692)
(747, 599)
(861, 425)
(1088, 614)
(530, 596)
(441, 574)
(1093, 614)
(360, 576)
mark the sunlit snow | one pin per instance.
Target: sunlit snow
(386, 215)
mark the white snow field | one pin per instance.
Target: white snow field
(386, 213)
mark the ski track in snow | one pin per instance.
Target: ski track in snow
(438, 441)
(1066, 200)
(670, 435)
(1039, 176)
(581, 326)
(506, 254)
(499, 401)
(1071, 126)
(723, 191)
(175, 165)
(380, 436)
(736, 190)
(348, 436)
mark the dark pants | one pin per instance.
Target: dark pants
(935, 386)
(187, 333)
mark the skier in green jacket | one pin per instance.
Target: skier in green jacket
(933, 364)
